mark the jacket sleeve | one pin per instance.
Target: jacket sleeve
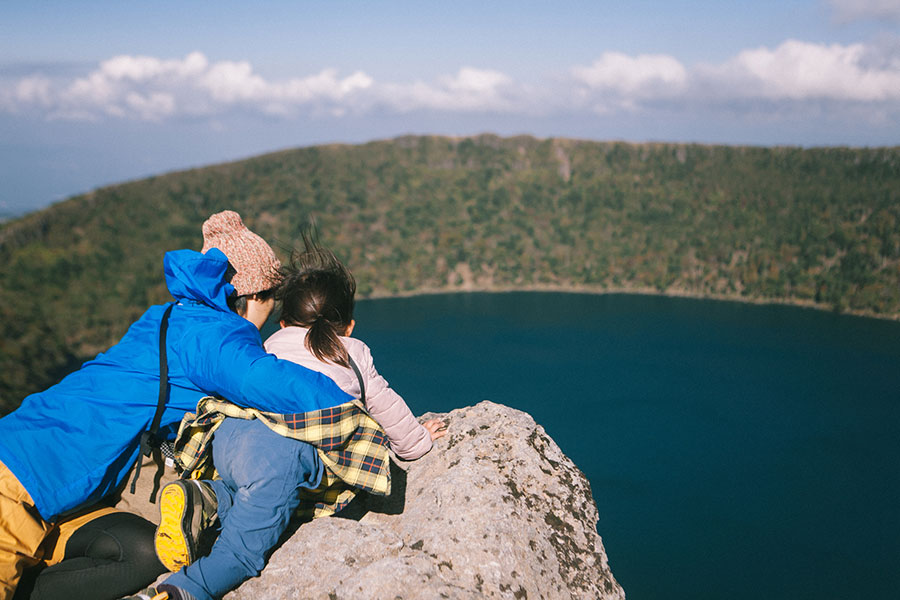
(408, 438)
(237, 368)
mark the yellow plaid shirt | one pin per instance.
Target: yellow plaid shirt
(350, 443)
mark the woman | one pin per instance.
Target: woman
(65, 449)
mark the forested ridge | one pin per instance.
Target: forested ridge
(817, 226)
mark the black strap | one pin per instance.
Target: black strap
(163, 378)
(150, 439)
(362, 384)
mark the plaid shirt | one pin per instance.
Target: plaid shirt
(350, 443)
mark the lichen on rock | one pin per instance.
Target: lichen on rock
(495, 510)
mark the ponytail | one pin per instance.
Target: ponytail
(323, 341)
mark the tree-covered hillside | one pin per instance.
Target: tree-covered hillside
(428, 213)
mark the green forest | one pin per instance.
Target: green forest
(422, 214)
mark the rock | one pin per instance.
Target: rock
(495, 510)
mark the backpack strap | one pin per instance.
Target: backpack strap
(362, 384)
(150, 438)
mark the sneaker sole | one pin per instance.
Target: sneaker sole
(172, 542)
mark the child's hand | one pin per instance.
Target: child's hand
(436, 428)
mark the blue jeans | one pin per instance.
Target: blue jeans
(261, 477)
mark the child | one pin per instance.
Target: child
(262, 472)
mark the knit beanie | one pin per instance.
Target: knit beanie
(253, 260)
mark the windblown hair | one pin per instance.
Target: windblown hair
(317, 292)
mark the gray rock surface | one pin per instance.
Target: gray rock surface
(495, 510)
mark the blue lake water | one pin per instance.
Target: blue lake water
(734, 451)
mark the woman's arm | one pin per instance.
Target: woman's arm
(409, 439)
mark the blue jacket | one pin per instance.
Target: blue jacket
(74, 443)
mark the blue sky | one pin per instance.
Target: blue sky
(93, 93)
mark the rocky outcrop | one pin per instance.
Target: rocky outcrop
(495, 510)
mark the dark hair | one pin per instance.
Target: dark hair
(238, 304)
(317, 292)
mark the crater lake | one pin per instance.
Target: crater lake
(734, 450)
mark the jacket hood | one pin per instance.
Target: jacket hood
(198, 277)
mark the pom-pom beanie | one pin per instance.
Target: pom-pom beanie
(253, 260)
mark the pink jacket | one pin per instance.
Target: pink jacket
(408, 439)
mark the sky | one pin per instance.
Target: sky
(99, 92)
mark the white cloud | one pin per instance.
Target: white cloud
(798, 75)
(618, 81)
(147, 68)
(153, 107)
(33, 90)
(469, 90)
(149, 88)
(853, 10)
(795, 75)
(325, 84)
(29, 91)
(634, 76)
(803, 71)
(229, 82)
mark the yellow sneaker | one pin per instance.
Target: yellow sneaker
(187, 507)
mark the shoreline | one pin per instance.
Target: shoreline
(598, 290)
